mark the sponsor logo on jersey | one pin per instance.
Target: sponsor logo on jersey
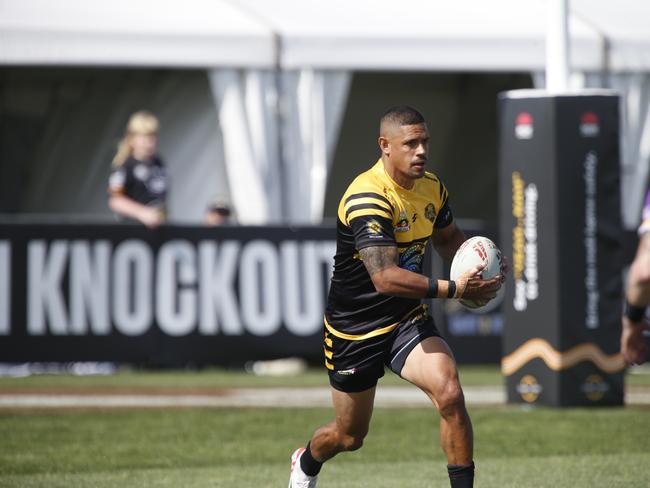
(589, 125)
(141, 172)
(403, 224)
(374, 229)
(411, 258)
(429, 212)
(524, 126)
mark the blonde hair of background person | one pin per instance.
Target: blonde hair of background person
(140, 123)
(138, 182)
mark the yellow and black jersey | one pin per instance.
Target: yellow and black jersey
(376, 211)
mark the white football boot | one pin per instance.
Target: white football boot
(298, 478)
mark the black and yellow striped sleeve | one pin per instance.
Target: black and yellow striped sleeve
(370, 217)
(365, 204)
(372, 230)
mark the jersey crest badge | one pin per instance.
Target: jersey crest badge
(430, 212)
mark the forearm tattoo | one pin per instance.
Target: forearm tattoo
(377, 258)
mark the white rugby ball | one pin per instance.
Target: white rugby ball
(474, 251)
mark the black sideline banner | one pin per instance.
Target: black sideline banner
(171, 296)
(560, 226)
(184, 295)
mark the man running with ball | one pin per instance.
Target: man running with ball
(374, 316)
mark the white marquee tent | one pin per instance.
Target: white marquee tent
(280, 70)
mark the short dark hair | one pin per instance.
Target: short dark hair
(220, 207)
(401, 115)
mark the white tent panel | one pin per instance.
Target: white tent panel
(425, 35)
(428, 35)
(624, 23)
(244, 171)
(317, 44)
(174, 33)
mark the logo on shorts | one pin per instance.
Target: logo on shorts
(347, 372)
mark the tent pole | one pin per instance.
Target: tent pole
(557, 46)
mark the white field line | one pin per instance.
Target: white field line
(386, 397)
(240, 397)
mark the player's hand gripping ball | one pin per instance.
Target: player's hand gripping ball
(474, 251)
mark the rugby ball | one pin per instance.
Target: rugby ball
(474, 251)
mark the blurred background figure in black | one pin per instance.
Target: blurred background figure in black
(138, 183)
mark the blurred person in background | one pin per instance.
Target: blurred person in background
(637, 296)
(138, 183)
(218, 212)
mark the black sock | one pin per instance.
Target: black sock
(308, 464)
(461, 475)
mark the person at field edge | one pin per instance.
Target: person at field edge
(138, 183)
(637, 296)
(217, 213)
(374, 315)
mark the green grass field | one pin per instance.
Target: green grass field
(515, 446)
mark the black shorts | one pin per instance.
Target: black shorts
(356, 365)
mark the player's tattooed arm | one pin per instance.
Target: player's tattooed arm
(382, 263)
(378, 258)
